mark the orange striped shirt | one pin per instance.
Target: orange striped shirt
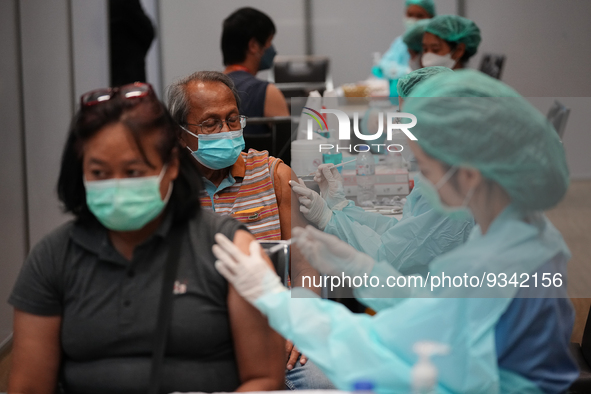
(251, 197)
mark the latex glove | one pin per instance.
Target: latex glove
(251, 276)
(331, 186)
(312, 205)
(330, 255)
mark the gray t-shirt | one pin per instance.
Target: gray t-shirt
(109, 307)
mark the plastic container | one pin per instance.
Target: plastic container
(366, 179)
(424, 372)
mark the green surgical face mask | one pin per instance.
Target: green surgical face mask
(431, 193)
(126, 204)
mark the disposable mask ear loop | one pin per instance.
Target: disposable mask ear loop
(162, 172)
(190, 150)
(446, 177)
(167, 197)
(190, 132)
(451, 57)
(468, 197)
(169, 192)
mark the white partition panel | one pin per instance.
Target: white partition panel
(548, 55)
(48, 102)
(52, 51)
(13, 233)
(546, 43)
(90, 41)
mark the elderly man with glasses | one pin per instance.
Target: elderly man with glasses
(252, 187)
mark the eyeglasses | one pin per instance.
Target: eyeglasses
(130, 91)
(234, 122)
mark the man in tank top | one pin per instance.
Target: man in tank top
(252, 187)
(247, 49)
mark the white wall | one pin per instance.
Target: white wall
(48, 105)
(153, 58)
(90, 45)
(350, 31)
(13, 232)
(64, 53)
(548, 55)
(577, 136)
(546, 43)
(191, 32)
(52, 51)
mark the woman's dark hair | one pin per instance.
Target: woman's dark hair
(453, 46)
(239, 28)
(142, 116)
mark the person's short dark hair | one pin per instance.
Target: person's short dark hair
(142, 116)
(239, 28)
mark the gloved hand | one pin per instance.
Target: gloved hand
(312, 205)
(251, 276)
(331, 186)
(330, 255)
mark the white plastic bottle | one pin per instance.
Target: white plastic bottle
(366, 179)
(424, 372)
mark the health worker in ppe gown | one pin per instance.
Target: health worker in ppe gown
(252, 187)
(409, 245)
(503, 338)
(396, 62)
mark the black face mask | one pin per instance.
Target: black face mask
(267, 59)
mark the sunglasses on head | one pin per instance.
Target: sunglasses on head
(130, 91)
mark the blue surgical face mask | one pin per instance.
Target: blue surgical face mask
(219, 150)
(126, 204)
(267, 59)
(431, 193)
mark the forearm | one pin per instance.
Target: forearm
(264, 383)
(302, 274)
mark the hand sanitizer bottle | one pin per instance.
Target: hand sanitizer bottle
(424, 372)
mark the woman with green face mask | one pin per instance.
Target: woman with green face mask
(87, 298)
